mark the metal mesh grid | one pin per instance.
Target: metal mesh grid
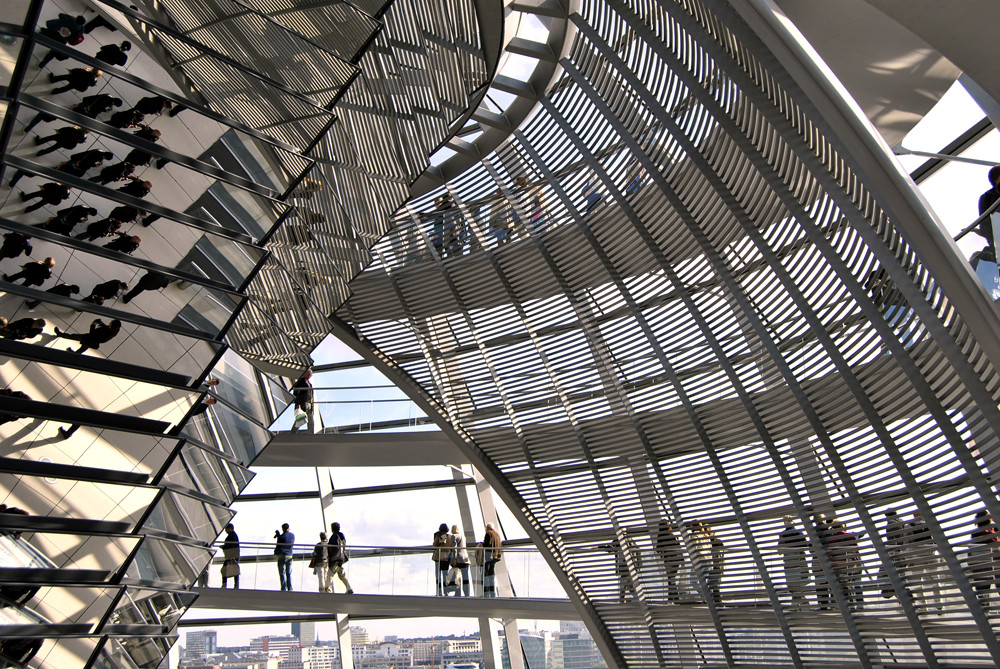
(704, 343)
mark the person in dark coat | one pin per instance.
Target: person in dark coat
(90, 106)
(794, 549)
(302, 391)
(231, 557)
(136, 187)
(23, 328)
(149, 134)
(93, 106)
(99, 333)
(108, 290)
(66, 29)
(125, 213)
(124, 243)
(67, 137)
(84, 161)
(153, 105)
(139, 158)
(33, 273)
(114, 54)
(149, 281)
(66, 219)
(14, 244)
(987, 200)
(62, 290)
(668, 548)
(112, 173)
(336, 555)
(98, 229)
(48, 193)
(77, 79)
(127, 118)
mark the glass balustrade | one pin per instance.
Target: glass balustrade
(384, 570)
(359, 409)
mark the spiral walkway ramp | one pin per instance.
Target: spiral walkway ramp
(650, 267)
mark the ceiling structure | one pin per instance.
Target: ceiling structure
(648, 309)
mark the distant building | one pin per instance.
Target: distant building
(322, 657)
(277, 645)
(306, 633)
(200, 644)
(359, 636)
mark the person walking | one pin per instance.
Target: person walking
(231, 557)
(150, 281)
(33, 273)
(793, 547)
(302, 391)
(51, 193)
(67, 137)
(78, 78)
(284, 543)
(441, 556)
(114, 54)
(14, 245)
(99, 333)
(460, 559)
(320, 564)
(492, 552)
(336, 553)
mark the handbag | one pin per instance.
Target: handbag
(312, 563)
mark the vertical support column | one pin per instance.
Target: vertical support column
(503, 585)
(344, 641)
(491, 645)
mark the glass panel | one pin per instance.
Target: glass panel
(201, 470)
(238, 385)
(394, 570)
(230, 431)
(162, 561)
(184, 516)
(149, 607)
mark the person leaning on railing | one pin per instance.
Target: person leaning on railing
(986, 201)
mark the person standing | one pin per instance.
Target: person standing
(717, 551)
(320, 565)
(895, 538)
(846, 558)
(460, 559)
(231, 557)
(283, 549)
(984, 554)
(336, 553)
(302, 391)
(824, 596)
(441, 556)
(923, 562)
(792, 545)
(668, 548)
(492, 552)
